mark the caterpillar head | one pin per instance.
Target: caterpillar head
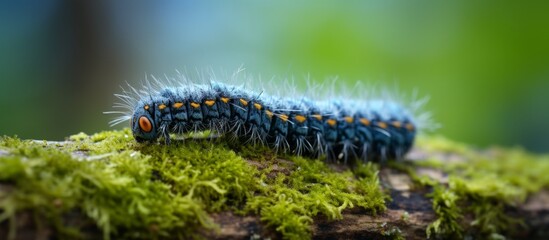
(143, 125)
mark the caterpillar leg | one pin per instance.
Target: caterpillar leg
(167, 139)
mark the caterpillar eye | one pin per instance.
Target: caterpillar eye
(145, 124)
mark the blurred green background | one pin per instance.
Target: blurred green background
(484, 65)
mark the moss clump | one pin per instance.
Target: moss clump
(116, 194)
(130, 190)
(289, 202)
(448, 212)
(480, 187)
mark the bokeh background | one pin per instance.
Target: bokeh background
(484, 64)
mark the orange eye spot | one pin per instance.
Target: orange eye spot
(300, 118)
(397, 124)
(382, 125)
(177, 105)
(410, 127)
(146, 107)
(331, 122)
(145, 124)
(209, 103)
(195, 105)
(283, 117)
(365, 121)
(349, 119)
(244, 102)
(269, 113)
(162, 106)
(318, 117)
(225, 99)
(257, 106)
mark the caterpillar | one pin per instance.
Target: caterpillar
(338, 128)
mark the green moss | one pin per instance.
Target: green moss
(117, 194)
(289, 202)
(131, 190)
(449, 214)
(103, 142)
(481, 187)
(442, 144)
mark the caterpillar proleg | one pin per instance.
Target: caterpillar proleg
(338, 127)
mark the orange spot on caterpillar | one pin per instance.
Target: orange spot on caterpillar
(146, 107)
(300, 118)
(410, 126)
(244, 102)
(178, 105)
(257, 106)
(365, 121)
(195, 105)
(209, 102)
(331, 122)
(162, 106)
(145, 124)
(318, 117)
(269, 113)
(283, 117)
(224, 99)
(382, 125)
(349, 119)
(396, 124)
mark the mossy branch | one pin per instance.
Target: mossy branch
(108, 186)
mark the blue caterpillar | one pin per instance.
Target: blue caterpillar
(336, 128)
